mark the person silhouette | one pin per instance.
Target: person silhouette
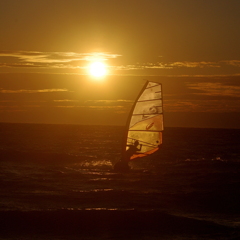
(132, 149)
(122, 165)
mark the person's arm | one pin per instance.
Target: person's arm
(140, 147)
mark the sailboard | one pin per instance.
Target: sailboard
(145, 122)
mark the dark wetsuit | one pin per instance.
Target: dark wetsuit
(122, 165)
(130, 152)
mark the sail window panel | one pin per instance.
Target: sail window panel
(135, 120)
(151, 93)
(151, 123)
(150, 141)
(148, 107)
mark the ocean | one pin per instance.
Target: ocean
(57, 182)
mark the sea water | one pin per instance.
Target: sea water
(195, 174)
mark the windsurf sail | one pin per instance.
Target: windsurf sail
(145, 122)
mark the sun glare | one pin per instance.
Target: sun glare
(98, 69)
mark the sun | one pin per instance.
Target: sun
(97, 69)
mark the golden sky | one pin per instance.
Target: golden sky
(190, 46)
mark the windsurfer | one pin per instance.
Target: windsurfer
(122, 165)
(145, 123)
(132, 149)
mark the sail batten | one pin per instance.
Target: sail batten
(145, 124)
(146, 100)
(135, 130)
(145, 114)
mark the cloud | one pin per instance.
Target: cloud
(184, 64)
(201, 64)
(215, 89)
(33, 91)
(50, 59)
(202, 94)
(19, 65)
(66, 100)
(170, 65)
(73, 59)
(197, 105)
(108, 102)
(115, 106)
(77, 63)
(97, 103)
(235, 63)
